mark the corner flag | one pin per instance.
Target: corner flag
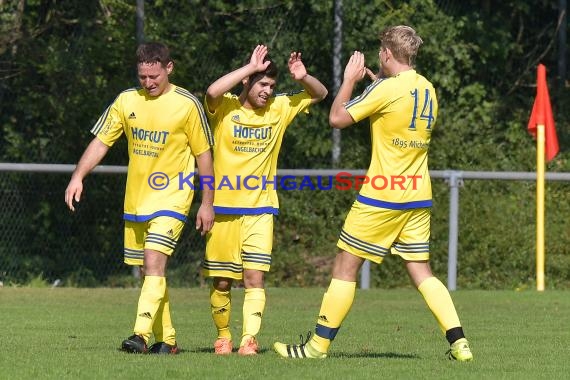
(542, 115)
(541, 126)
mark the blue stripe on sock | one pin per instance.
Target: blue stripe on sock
(326, 332)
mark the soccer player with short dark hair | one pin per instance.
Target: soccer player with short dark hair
(167, 133)
(248, 130)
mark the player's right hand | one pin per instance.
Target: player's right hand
(355, 69)
(73, 193)
(371, 75)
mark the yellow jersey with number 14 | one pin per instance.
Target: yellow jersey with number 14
(402, 112)
(164, 134)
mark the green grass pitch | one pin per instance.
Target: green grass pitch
(67, 333)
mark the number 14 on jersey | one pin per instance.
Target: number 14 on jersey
(426, 112)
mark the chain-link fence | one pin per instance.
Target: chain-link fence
(43, 242)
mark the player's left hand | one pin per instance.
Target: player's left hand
(205, 219)
(296, 66)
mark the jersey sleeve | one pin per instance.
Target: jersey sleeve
(293, 104)
(215, 117)
(198, 130)
(374, 98)
(109, 126)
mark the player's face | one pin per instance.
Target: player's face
(153, 77)
(260, 92)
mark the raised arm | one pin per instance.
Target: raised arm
(93, 154)
(353, 73)
(205, 216)
(312, 85)
(216, 91)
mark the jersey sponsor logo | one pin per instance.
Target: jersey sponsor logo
(263, 133)
(157, 137)
(144, 152)
(132, 116)
(249, 149)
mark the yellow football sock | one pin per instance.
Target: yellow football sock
(221, 307)
(253, 306)
(162, 329)
(152, 293)
(336, 304)
(439, 302)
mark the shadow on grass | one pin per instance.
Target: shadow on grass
(210, 350)
(335, 355)
(384, 355)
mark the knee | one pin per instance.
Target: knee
(419, 271)
(154, 263)
(346, 266)
(253, 279)
(151, 269)
(222, 284)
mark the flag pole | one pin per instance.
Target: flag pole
(540, 143)
(541, 126)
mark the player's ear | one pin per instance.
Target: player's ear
(169, 67)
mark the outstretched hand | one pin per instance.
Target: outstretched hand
(296, 66)
(257, 58)
(355, 69)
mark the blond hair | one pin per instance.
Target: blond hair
(403, 42)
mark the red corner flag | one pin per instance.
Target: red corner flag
(542, 114)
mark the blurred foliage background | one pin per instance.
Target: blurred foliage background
(63, 62)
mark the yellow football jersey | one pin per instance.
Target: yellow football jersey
(164, 134)
(246, 151)
(402, 112)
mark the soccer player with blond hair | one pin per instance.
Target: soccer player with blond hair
(402, 108)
